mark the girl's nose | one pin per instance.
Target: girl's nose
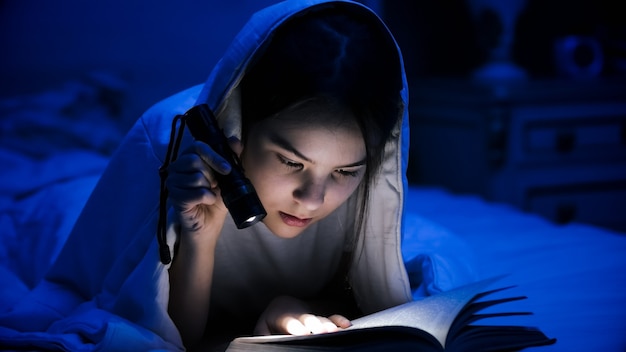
(310, 193)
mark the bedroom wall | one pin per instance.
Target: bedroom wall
(543, 127)
(162, 46)
(158, 47)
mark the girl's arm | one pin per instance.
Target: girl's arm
(191, 275)
(195, 197)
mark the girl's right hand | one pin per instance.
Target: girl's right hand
(194, 192)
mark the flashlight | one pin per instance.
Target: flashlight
(237, 191)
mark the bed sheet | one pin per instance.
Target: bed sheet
(574, 275)
(53, 147)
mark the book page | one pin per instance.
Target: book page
(433, 314)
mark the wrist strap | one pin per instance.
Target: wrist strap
(176, 135)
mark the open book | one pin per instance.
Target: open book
(443, 322)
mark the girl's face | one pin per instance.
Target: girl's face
(303, 165)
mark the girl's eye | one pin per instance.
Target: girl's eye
(288, 163)
(347, 173)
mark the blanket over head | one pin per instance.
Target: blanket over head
(108, 289)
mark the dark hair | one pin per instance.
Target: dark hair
(334, 51)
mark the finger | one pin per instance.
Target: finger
(327, 326)
(312, 323)
(294, 326)
(191, 184)
(211, 158)
(317, 325)
(187, 163)
(190, 178)
(340, 321)
(185, 198)
(190, 170)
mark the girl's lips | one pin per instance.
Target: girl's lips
(294, 221)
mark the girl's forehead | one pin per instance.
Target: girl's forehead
(318, 127)
(316, 113)
(312, 128)
(321, 135)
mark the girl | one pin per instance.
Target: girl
(317, 106)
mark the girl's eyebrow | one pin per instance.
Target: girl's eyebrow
(284, 144)
(281, 142)
(357, 164)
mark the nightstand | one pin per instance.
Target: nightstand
(556, 148)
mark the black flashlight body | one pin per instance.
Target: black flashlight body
(237, 191)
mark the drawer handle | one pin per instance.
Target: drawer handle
(565, 213)
(564, 142)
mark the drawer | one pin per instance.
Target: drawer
(586, 133)
(597, 204)
(576, 137)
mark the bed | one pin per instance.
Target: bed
(573, 274)
(55, 144)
